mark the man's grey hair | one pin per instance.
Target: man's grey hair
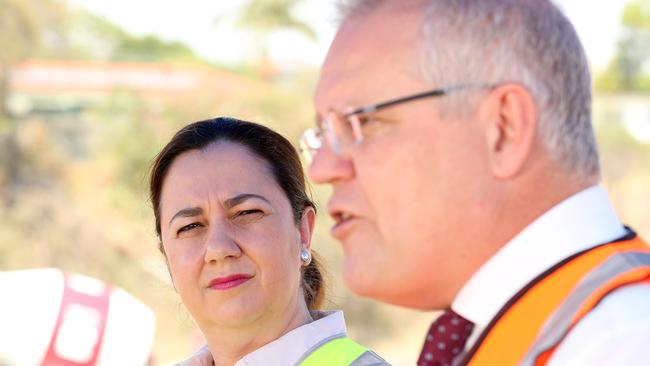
(529, 42)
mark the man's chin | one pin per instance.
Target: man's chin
(374, 284)
(358, 277)
(365, 281)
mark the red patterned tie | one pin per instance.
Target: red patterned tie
(445, 340)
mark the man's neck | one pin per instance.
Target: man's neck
(521, 204)
(545, 185)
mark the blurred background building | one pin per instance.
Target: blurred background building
(90, 90)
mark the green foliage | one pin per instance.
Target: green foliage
(265, 16)
(626, 71)
(151, 48)
(48, 29)
(27, 26)
(637, 15)
(95, 37)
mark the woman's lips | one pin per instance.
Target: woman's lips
(228, 282)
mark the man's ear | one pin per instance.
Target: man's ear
(306, 228)
(509, 116)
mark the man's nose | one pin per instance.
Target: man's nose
(329, 167)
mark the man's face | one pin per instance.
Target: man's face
(405, 200)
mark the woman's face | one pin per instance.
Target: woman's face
(230, 239)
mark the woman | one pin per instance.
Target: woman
(235, 225)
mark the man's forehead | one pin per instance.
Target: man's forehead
(366, 55)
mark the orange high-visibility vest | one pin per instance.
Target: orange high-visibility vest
(532, 324)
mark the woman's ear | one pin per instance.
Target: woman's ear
(306, 228)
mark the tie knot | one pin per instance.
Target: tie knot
(446, 339)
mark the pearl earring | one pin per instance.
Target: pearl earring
(305, 257)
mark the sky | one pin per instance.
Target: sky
(208, 27)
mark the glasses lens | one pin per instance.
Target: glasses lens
(334, 130)
(310, 142)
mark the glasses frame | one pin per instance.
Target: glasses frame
(352, 117)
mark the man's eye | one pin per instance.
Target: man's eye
(367, 120)
(364, 120)
(188, 227)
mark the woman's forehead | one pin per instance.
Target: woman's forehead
(220, 171)
(221, 160)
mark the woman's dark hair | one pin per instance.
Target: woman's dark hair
(265, 143)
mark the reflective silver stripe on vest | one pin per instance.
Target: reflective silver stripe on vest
(559, 323)
(369, 358)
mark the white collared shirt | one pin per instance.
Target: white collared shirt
(617, 332)
(291, 348)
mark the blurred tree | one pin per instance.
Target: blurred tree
(151, 48)
(26, 28)
(95, 37)
(627, 71)
(49, 29)
(264, 17)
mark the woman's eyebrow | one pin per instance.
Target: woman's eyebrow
(187, 212)
(234, 201)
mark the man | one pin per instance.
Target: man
(456, 137)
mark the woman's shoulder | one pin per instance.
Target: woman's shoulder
(321, 342)
(202, 357)
(342, 352)
(335, 348)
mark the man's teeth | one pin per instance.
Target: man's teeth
(344, 216)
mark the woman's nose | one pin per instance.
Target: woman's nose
(221, 244)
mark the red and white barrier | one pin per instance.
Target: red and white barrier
(50, 318)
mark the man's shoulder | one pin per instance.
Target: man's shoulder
(624, 309)
(615, 332)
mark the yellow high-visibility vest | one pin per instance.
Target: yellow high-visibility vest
(342, 352)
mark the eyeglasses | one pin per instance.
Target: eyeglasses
(344, 130)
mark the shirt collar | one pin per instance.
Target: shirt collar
(288, 349)
(291, 347)
(581, 221)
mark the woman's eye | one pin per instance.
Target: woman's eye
(248, 216)
(249, 212)
(188, 227)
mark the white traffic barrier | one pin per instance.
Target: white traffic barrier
(48, 317)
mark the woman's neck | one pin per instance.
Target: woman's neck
(229, 345)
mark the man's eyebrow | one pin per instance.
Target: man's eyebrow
(234, 201)
(187, 212)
